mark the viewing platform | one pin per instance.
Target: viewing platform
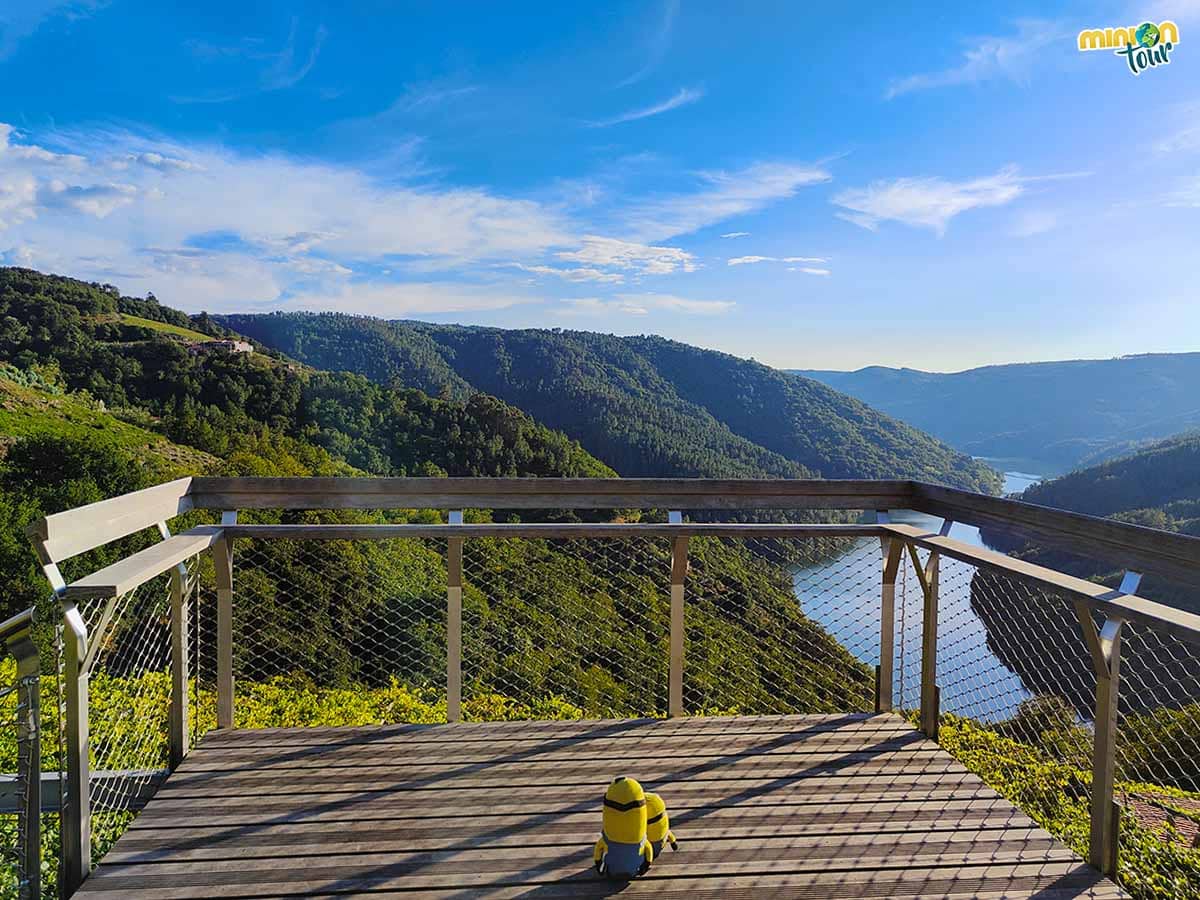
(834, 806)
(422, 687)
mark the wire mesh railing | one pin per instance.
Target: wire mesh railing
(385, 624)
(130, 671)
(21, 761)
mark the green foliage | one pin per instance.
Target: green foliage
(164, 328)
(645, 405)
(1153, 861)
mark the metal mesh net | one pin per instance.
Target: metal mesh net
(565, 628)
(129, 691)
(781, 625)
(19, 728)
(339, 632)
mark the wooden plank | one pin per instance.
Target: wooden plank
(1117, 544)
(63, 535)
(122, 577)
(798, 843)
(1183, 625)
(541, 493)
(929, 879)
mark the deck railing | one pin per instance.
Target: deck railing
(1080, 702)
(20, 702)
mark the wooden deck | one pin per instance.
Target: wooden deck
(798, 806)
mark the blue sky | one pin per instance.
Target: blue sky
(941, 186)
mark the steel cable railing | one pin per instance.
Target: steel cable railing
(20, 746)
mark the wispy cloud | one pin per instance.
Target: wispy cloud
(642, 259)
(749, 260)
(642, 304)
(990, 58)
(279, 69)
(658, 44)
(736, 234)
(582, 273)
(720, 196)
(1035, 222)
(932, 202)
(389, 300)
(683, 97)
(810, 271)
(21, 18)
(1186, 192)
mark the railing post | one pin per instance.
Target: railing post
(222, 552)
(929, 624)
(77, 812)
(679, 562)
(29, 758)
(180, 598)
(454, 593)
(1104, 647)
(893, 551)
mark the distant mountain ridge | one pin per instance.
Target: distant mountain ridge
(1067, 413)
(645, 405)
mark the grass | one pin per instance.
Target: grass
(28, 412)
(176, 330)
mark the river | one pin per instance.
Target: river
(972, 679)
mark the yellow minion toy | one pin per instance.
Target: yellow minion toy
(658, 824)
(623, 851)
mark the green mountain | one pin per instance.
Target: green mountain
(102, 394)
(645, 405)
(1157, 487)
(1060, 413)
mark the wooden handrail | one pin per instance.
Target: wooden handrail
(542, 493)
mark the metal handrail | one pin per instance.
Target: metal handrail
(1092, 601)
(17, 635)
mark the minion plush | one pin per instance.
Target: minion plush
(658, 824)
(623, 851)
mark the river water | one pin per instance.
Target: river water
(972, 679)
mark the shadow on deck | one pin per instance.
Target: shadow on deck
(835, 806)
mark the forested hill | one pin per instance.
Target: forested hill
(1064, 413)
(645, 405)
(1158, 487)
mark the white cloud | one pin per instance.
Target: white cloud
(659, 41)
(21, 18)
(749, 260)
(1013, 58)
(630, 256)
(683, 97)
(578, 274)
(642, 304)
(722, 195)
(736, 234)
(594, 306)
(296, 224)
(280, 69)
(809, 271)
(1035, 222)
(1186, 193)
(390, 300)
(931, 202)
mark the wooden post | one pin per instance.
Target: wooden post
(679, 551)
(929, 625)
(893, 551)
(178, 726)
(77, 811)
(454, 593)
(222, 552)
(1104, 647)
(928, 576)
